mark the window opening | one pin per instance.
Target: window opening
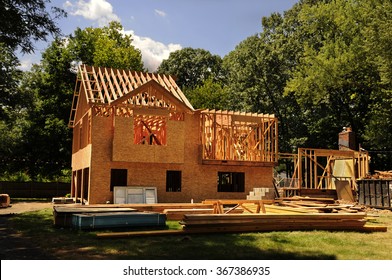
(231, 181)
(118, 177)
(173, 181)
(149, 130)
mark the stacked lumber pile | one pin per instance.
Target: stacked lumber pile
(383, 174)
(200, 223)
(178, 214)
(287, 214)
(380, 175)
(320, 205)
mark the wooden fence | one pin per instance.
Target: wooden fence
(34, 189)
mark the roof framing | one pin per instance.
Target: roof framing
(112, 87)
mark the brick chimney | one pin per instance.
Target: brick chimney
(347, 139)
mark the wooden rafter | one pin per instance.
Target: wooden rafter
(111, 87)
(116, 83)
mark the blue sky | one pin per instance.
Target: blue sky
(162, 26)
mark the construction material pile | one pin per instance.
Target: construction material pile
(380, 175)
(200, 223)
(316, 205)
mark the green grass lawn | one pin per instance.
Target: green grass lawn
(72, 244)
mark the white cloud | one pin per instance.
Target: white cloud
(97, 10)
(25, 64)
(26, 61)
(160, 13)
(153, 52)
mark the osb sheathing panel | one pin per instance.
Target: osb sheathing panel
(82, 106)
(76, 138)
(81, 159)
(124, 148)
(102, 135)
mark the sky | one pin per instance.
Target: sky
(159, 27)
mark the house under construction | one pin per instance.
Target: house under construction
(137, 139)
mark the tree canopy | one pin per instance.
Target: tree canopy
(192, 67)
(44, 141)
(24, 22)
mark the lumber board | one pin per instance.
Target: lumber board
(237, 201)
(277, 216)
(271, 209)
(321, 199)
(139, 233)
(178, 214)
(277, 228)
(268, 222)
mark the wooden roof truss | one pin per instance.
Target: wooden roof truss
(108, 88)
(228, 135)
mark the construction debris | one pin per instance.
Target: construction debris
(380, 175)
(63, 214)
(286, 214)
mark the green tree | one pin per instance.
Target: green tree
(106, 47)
(48, 140)
(378, 44)
(192, 67)
(23, 22)
(258, 70)
(209, 95)
(334, 80)
(9, 76)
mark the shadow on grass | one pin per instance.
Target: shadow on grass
(55, 243)
(222, 247)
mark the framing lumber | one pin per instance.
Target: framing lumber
(236, 136)
(107, 88)
(219, 204)
(314, 168)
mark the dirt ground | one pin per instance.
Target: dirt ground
(21, 207)
(13, 245)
